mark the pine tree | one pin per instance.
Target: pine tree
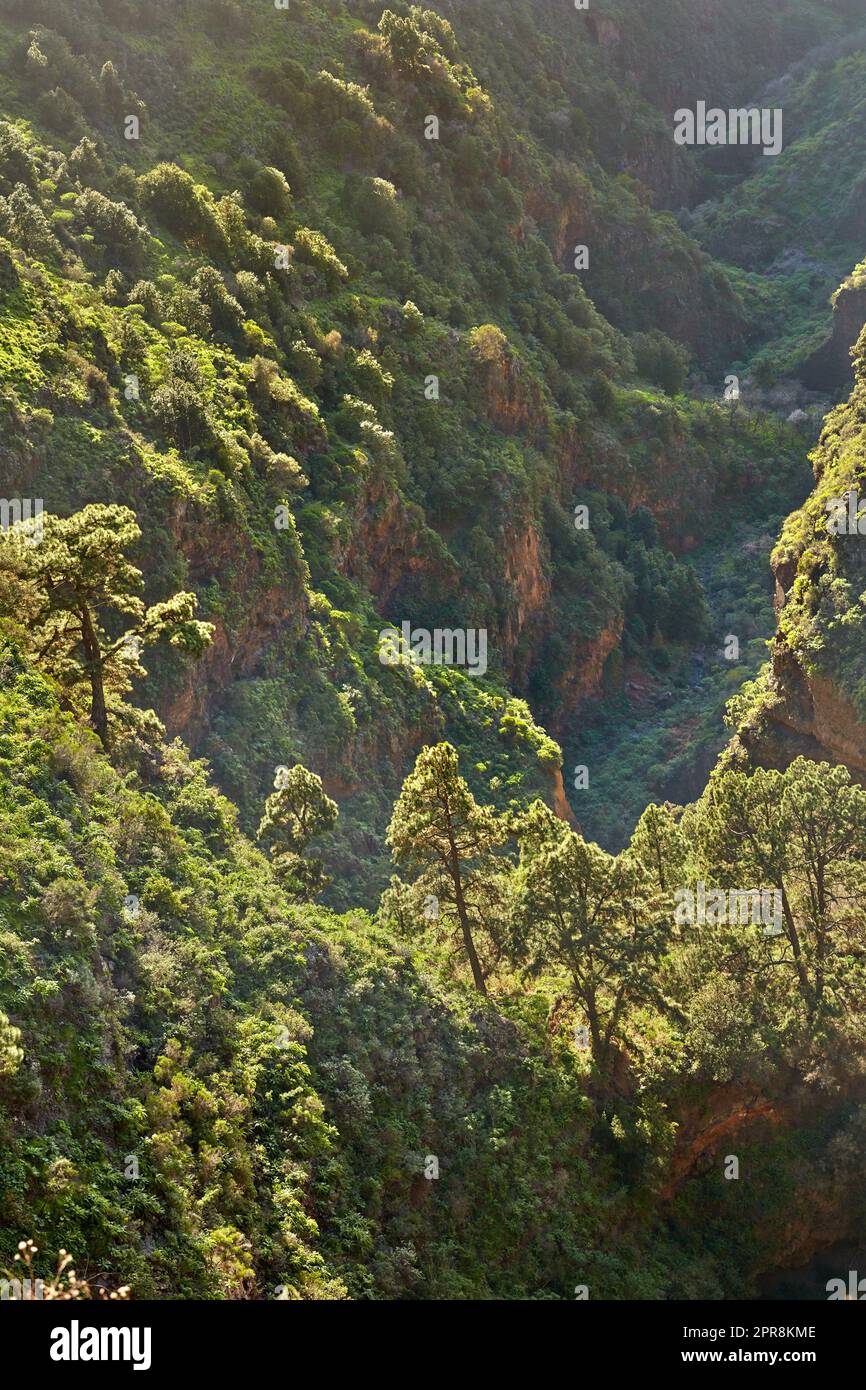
(658, 847)
(577, 907)
(801, 832)
(66, 588)
(296, 813)
(439, 831)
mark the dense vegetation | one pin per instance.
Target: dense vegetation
(312, 984)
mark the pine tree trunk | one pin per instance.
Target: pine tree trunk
(462, 913)
(98, 711)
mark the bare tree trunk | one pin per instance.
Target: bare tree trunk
(465, 927)
(98, 711)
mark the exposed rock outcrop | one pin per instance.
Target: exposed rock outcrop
(829, 368)
(814, 702)
(264, 612)
(807, 717)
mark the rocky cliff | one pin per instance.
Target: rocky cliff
(812, 700)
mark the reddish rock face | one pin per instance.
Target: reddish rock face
(809, 718)
(829, 369)
(605, 31)
(267, 612)
(387, 544)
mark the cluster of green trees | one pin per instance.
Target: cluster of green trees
(211, 1087)
(232, 330)
(64, 592)
(608, 922)
(210, 1084)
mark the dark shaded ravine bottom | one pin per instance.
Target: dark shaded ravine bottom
(809, 1282)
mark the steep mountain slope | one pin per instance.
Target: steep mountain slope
(792, 229)
(396, 351)
(812, 700)
(299, 288)
(208, 1092)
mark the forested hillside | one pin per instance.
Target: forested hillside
(326, 973)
